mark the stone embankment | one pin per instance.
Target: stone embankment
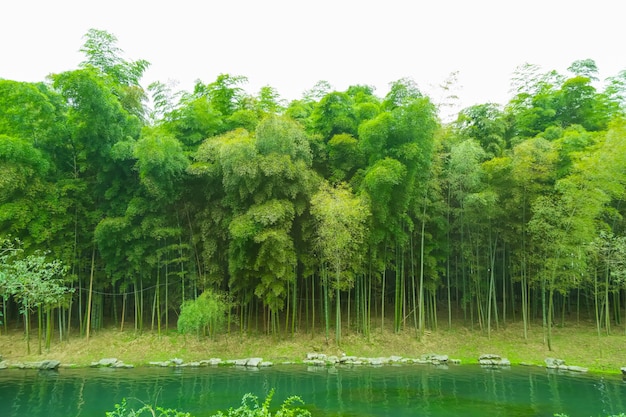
(111, 363)
(45, 365)
(321, 359)
(247, 362)
(490, 360)
(559, 364)
(312, 359)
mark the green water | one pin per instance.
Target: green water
(410, 390)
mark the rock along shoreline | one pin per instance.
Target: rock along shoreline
(312, 360)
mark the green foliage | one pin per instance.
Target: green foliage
(283, 136)
(161, 163)
(224, 191)
(33, 279)
(102, 53)
(30, 111)
(204, 315)
(122, 410)
(250, 407)
(335, 114)
(401, 92)
(484, 123)
(341, 227)
(345, 157)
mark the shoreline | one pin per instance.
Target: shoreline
(578, 346)
(366, 362)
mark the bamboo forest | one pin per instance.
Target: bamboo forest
(217, 210)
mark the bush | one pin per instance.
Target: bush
(205, 315)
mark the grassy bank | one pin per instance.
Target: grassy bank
(576, 344)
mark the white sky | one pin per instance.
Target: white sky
(290, 45)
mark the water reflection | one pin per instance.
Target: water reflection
(411, 390)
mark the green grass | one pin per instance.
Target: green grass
(576, 344)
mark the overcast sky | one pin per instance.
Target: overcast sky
(290, 45)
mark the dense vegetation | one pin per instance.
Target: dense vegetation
(339, 210)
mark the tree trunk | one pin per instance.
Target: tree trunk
(338, 309)
(123, 312)
(39, 328)
(524, 288)
(550, 307)
(27, 325)
(607, 318)
(421, 312)
(91, 274)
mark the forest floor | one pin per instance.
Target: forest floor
(577, 344)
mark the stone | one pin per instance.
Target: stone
(495, 362)
(162, 364)
(575, 368)
(554, 363)
(122, 365)
(623, 369)
(4, 365)
(489, 356)
(240, 362)
(176, 361)
(254, 362)
(266, 364)
(434, 358)
(107, 362)
(315, 362)
(437, 359)
(48, 364)
(395, 358)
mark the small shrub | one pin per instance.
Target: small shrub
(205, 315)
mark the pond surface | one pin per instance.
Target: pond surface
(408, 390)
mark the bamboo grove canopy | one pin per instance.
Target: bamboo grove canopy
(341, 204)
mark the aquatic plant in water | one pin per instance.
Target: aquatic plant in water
(250, 407)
